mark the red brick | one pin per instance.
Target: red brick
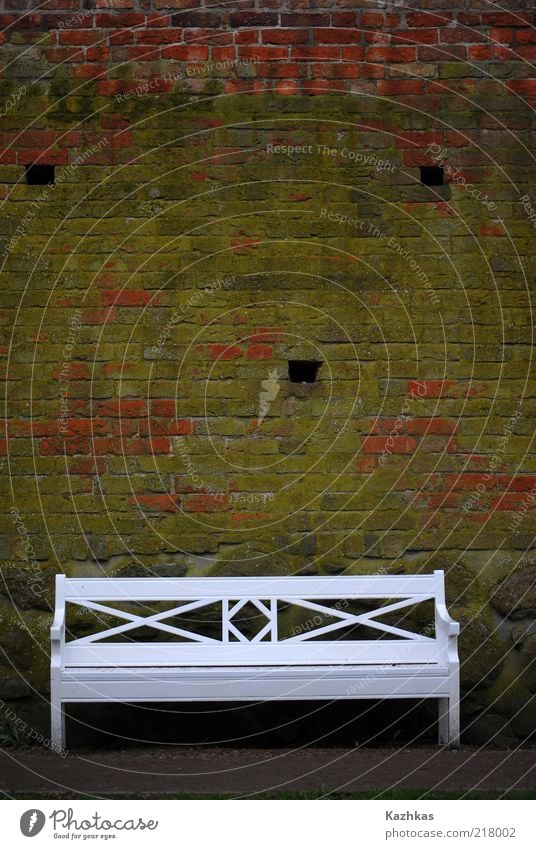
(97, 54)
(253, 19)
(86, 427)
(166, 427)
(203, 503)
(471, 481)
(97, 316)
(527, 87)
(391, 54)
(286, 88)
(319, 87)
(224, 352)
(186, 53)
(59, 55)
(36, 138)
(378, 37)
(124, 408)
(427, 19)
(345, 71)
(75, 371)
(527, 53)
(143, 53)
(260, 352)
(365, 465)
(519, 483)
(394, 87)
(397, 445)
(111, 87)
(160, 503)
(244, 86)
(417, 36)
(479, 52)
(353, 54)
(163, 407)
(247, 36)
(318, 54)
(501, 34)
(284, 36)
(388, 425)
(429, 388)
(121, 21)
(88, 72)
(87, 466)
(124, 427)
(8, 157)
(57, 446)
(117, 4)
(223, 54)
(131, 447)
(527, 36)
(372, 72)
(372, 19)
(461, 35)
(159, 20)
(117, 39)
(506, 19)
(512, 501)
(266, 334)
(31, 428)
(432, 426)
(205, 19)
(170, 35)
(127, 298)
(207, 36)
(263, 54)
(415, 139)
(335, 35)
(442, 54)
(278, 70)
(49, 157)
(469, 19)
(3, 448)
(342, 19)
(78, 36)
(439, 500)
(306, 19)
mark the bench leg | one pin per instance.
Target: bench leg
(449, 722)
(57, 735)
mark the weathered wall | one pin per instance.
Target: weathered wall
(154, 295)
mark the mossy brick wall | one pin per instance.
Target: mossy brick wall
(237, 186)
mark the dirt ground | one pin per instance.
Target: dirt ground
(160, 771)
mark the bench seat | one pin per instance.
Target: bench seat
(254, 683)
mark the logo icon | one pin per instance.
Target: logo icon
(31, 822)
(269, 392)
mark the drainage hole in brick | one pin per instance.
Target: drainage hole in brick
(39, 175)
(303, 371)
(432, 175)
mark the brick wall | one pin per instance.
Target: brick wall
(237, 186)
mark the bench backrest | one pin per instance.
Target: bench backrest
(314, 645)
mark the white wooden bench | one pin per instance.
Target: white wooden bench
(313, 661)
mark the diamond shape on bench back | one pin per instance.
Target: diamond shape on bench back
(261, 632)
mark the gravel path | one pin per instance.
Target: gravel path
(241, 772)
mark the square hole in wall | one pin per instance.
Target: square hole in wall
(39, 175)
(303, 371)
(432, 175)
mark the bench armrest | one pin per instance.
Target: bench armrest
(453, 627)
(57, 627)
